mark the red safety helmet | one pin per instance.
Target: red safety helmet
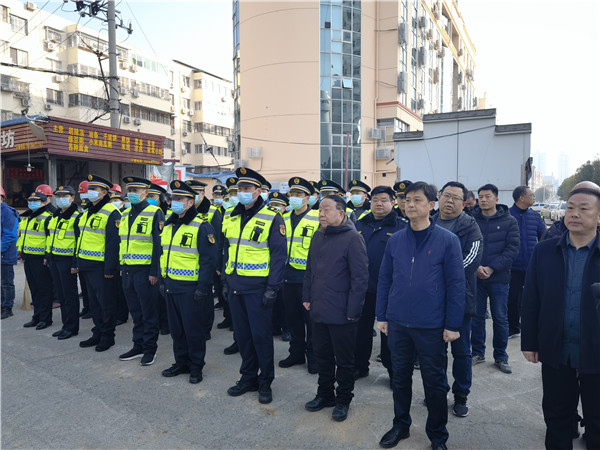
(83, 186)
(116, 188)
(44, 189)
(2, 193)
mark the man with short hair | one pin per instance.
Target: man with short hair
(500, 233)
(531, 229)
(560, 321)
(470, 203)
(334, 289)
(420, 306)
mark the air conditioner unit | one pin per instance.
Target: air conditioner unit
(48, 106)
(402, 82)
(173, 131)
(184, 111)
(253, 152)
(172, 108)
(429, 34)
(460, 52)
(423, 22)
(374, 133)
(422, 57)
(123, 91)
(442, 52)
(469, 74)
(137, 121)
(437, 11)
(183, 89)
(26, 102)
(185, 133)
(126, 119)
(237, 163)
(402, 33)
(421, 103)
(437, 44)
(123, 64)
(133, 68)
(184, 150)
(383, 153)
(135, 93)
(30, 6)
(59, 78)
(436, 75)
(229, 138)
(51, 46)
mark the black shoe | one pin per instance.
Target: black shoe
(392, 437)
(83, 312)
(290, 361)
(165, 331)
(135, 352)
(91, 342)
(195, 374)
(87, 315)
(438, 446)
(6, 313)
(340, 412)
(312, 365)
(378, 358)
(175, 370)
(286, 336)
(104, 345)
(318, 403)
(374, 333)
(265, 395)
(148, 359)
(225, 324)
(460, 407)
(241, 387)
(120, 322)
(42, 325)
(232, 349)
(361, 373)
(66, 335)
(31, 323)
(58, 333)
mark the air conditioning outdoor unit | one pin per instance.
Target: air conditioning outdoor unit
(135, 93)
(402, 33)
(137, 121)
(26, 102)
(185, 133)
(191, 112)
(123, 91)
(51, 46)
(48, 106)
(30, 6)
(59, 78)
(374, 133)
(253, 152)
(173, 131)
(383, 153)
(172, 108)
(133, 68)
(126, 119)
(402, 82)
(442, 52)
(171, 85)
(123, 64)
(436, 75)
(422, 57)
(184, 111)
(423, 22)
(183, 150)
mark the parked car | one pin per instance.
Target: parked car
(559, 212)
(546, 211)
(538, 207)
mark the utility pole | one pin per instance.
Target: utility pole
(113, 99)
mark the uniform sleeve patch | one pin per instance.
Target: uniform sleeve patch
(282, 229)
(118, 223)
(161, 225)
(211, 239)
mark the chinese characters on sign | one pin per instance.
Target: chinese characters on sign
(8, 139)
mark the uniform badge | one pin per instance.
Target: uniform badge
(129, 179)
(90, 177)
(232, 180)
(177, 184)
(161, 225)
(60, 188)
(275, 194)
(402, 186)
(243, 171)
(117, 223)
(282, 229)
(354, 182)
(296, 180)
(211, 239)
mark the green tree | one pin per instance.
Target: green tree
(590, 171)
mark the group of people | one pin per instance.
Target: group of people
(336, 268)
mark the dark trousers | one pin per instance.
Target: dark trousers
(85, 296)
(462, 364)
(163, 318)
(66, 285)
(185, 323)
(122, 309)
(103, 294)
(278, 315)
(254, 336)
(430, 346)
(208, 314)
(515, 292)
(333, 347)
(562, 387)
(364, 337)
(386, 358)
(297, 320)
(142, 300)
(40, 284)
(7, 282)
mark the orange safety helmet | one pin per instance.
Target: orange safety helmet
(116, 188)
(2, 193)
(83, 186)
(44, 189)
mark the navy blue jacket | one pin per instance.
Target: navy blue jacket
(500, 242)
(10, 233)
(424, 286)
(376, 239)
(543, 305)
(531, 229)
(471, 243)
(335, 281)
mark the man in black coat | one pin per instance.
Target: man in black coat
(335, 283)
(561, 319)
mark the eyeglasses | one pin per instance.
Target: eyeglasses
(452, 198)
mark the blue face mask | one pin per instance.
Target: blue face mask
(93, 196)
(288, 208)
(127, 205)
(117, 204)
(153, 202)
(177, 207)
(356, 199)
(245, 198)
(34, 206)
(196, 198)
(264, 196)
(134, 198)
(63, 202)
(312, 200)
(234, 200)
(296, 202)
(218, 201)
(226, 205)
(84, 196)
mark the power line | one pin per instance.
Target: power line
(56, 72)
(139, 25)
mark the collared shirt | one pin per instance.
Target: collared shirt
(576, 262)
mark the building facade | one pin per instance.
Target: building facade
(320, 86)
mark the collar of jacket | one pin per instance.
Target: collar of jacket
(67, 214)
(241, 209)
(139, 207)
(463, 221)
(189, 215)
(501, 210)
(93, 209)
(34, 214)
(562, 241)
(389, 220)
(204, 206)
(516, 209)
(429, 229)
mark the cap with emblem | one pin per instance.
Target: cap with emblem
(400, 188)
(37, 196)
(266, 186)
(315, 185)
(249, 177)
(329, 187)
(156, 189)
(117, 196)
(96, 181)
(136, 182)
(181, 189)
(231, 184)
(357, 185)
(278, 199)
(62, 190)
(301, 185)
(218, 189)
(197, 186)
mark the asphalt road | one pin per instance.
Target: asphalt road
(58, 395)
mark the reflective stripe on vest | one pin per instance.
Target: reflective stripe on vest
(136, 243)
(62, 235)
(92, 238)
(33, 238)
(298, 244)
(180, 259)
(208, 215)
(249, 253)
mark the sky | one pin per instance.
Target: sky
(536, 59)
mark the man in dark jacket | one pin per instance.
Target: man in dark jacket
(420, 306)
(334, 292)
(531, 229)
(452, 218)
(500, 233)
(10, 232)
(375, 228)
(560, 321)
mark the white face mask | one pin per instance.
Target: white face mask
(118, 204)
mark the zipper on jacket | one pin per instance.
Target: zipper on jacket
(412, 264)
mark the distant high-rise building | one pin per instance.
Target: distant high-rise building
(564, 167)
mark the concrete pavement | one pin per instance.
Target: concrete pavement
(58, 395)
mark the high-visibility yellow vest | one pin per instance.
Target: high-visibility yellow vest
(180, 259)
(226, 217)
(364, 214)
(298, 243)
(92, 233)
(208, 215)
(249, 252)
(136, 241)
(61, 239)
(32, 235)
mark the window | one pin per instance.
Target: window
(169, 144)
(151, 115)
(186, 125)
(19, 57)
(186, 103)
(4, 48)
(197, 84)
(198, 148)
(198, 126)
(18, 24)
(54, 64)
(187, 148)
(197, 106)
(5, 14)
(53, 35)
(6, 115)
(54, 97)
(185, 81)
